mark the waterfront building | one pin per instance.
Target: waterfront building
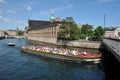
(11, 33)
(109, 34)
(1, 33)
(112, 32)
(44, 31)
(43, 28)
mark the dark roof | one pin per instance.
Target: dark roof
(11, 30)
(37, 23)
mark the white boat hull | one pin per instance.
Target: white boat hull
(11, 44)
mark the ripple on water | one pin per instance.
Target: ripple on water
(15, 65)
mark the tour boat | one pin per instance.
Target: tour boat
(76, 57)
(11, 44)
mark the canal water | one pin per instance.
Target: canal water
(16, 65)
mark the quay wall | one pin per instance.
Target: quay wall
(74, 43)
(80, 43)
(2, 37)
(43, 39)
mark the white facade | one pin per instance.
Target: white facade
(117, 32)
(113, 34)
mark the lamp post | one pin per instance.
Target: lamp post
(104, 20)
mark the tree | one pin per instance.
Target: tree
(86, 31)
(20, 33)
(74, 32)
(68, 19)
(69, 30)
(98, 33)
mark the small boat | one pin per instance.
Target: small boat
(11, 44)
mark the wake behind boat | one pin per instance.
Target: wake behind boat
(11, 44)
(63, 54)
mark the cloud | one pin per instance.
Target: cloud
(11, 11)
(29, 8)
(104, 1)
(2, 1)
(57, 9)
(4, 19)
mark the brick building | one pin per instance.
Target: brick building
(43, 31)
(43, 28)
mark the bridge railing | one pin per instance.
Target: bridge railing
(113, 43)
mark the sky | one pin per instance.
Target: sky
(15, 13)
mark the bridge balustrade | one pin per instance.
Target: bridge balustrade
(112, 42)
(114, 46)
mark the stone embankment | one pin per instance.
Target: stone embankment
(75, 43)
(81, 43)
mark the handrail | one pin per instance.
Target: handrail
(114, 43)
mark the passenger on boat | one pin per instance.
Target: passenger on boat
(84, 53)
(60, 51)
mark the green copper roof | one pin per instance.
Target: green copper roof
(52, 18)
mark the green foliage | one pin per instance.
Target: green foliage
(69, 30)
(99, 31)
(83, 36)
(98, 34)
(86, 29)
(68, 19)
(74, 32)
(20, 33)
